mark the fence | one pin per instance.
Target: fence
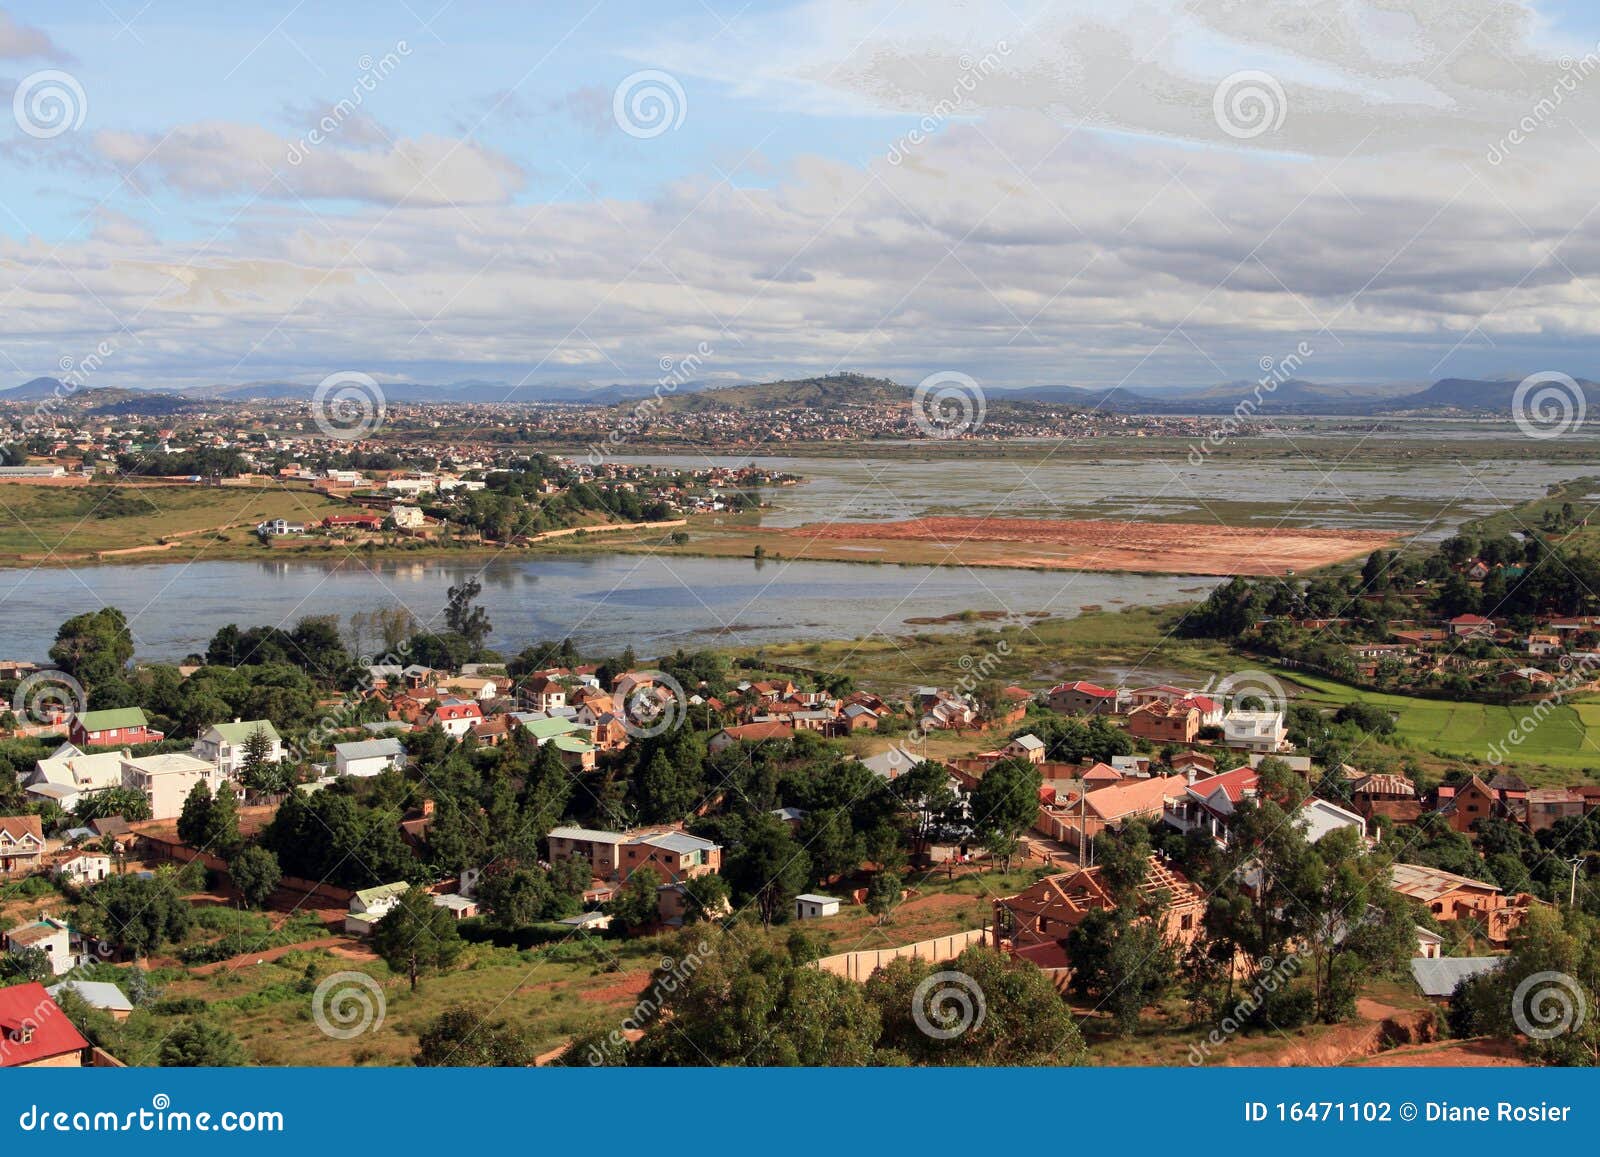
(858, 966)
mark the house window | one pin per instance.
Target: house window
(1187, 922)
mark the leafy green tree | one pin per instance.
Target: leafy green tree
(460, 1037)
(137, 913)
(1005, 804)
(131, 805)
(464, 617)
(255, 873)
(258, 771)
(984, 1008)
(201, 1044)
(95, 648)
(417, 936)
(637, 904)
(768, 867)
(706, 898)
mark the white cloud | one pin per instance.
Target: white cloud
(20, 42)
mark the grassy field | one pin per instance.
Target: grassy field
(75, 522)
(1557, 751)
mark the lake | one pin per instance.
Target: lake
(605, 603)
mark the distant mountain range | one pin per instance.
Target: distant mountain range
(1292, 397)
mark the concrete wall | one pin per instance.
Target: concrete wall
(858, 966)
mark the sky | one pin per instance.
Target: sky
(1142, 194)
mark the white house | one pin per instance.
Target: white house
(52, 937)
(68, 774)
(368, 756)
(1254, 730)
(814, 907)
(223, 744)
(85, 868)
(370, 905)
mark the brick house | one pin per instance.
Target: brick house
(118, 727)
(1163, 722)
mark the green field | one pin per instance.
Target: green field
(1555, 751)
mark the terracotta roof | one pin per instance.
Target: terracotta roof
(17, 827)
(1421, 882)
(1130, 797)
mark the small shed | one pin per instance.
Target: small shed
(813, 907)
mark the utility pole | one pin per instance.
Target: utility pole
(1572, 894)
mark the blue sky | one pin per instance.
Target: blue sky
(1076, 211)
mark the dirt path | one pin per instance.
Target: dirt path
(339, 945)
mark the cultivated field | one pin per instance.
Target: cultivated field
(1152, 547)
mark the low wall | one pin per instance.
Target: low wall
(858, 966)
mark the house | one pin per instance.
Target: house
(1033, 924)
(371, 905)
(1438, 977)
(1209, 804)
(407, 517)
(68, 774)
(1086, 816)
(1452, 897)
(1386, 794)
(1546, 805)
(1321, 818)
(1081, 698)
(460, 907)
(674, 855)
(1027, 747)
(21, 844)
(1262, 731)
(1471, 627)
(35, 1033)
(1468, 803)
(455, 716)
(1430, 945)
(893, 763)
(166, 780)
(602, 850)
(223, 744)
(542, 693)
(279, 528)
(84, 868)
(118, 727)
(1160, 721)
(52, 937)
(568, 736)
(105, 996)
(813, 907)
(368, 757)
(749, 733)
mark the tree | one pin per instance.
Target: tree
(461, 1037)
(27, 964)
(1005, 804)
(131, 805)
(210, 823)
(95, 648)
(768, 867)
(636, 905)
(255, 873)
(985, 1010)
(417, 936)
(201, 1044)
(465, 618)
(258, 771)
(883, 893)
(705, 898)
(136, 913)
(731, 998)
